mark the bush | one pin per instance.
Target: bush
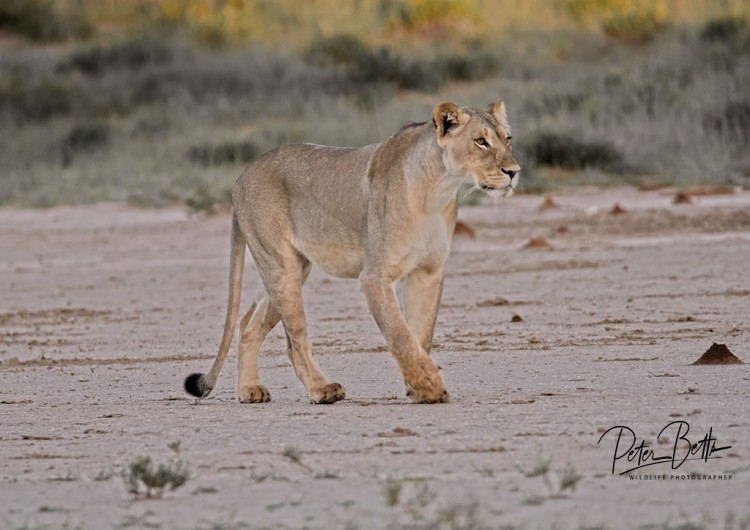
(341, 49)
(368, 67)
(635, 27)
(566, 152)
(384, 67)
(728, 29)
(414, 14)
(477, 65)
(131, 54)
(34, 99)
(631, 22)
(733, 119)
(39, 21)
(84, 138)
(225, 153)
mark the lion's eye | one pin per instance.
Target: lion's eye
(481, 142)
(508, 138)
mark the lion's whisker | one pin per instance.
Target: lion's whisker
(474, 187)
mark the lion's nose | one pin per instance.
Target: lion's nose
(510, 172)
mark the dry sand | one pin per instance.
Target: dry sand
(105, 309)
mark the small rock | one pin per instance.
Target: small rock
(538, 242)
(516, 318)
(462, 229)
(497, 301)
(548, 203)
(397, 432)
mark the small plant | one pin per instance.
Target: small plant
(295, 455)
(541, 468)
(327, 475)
(569, 477)
(46, 508)
(103, 475)
(68, 477)
(175, 447)
(145, 479)
(392, 490)
(533, 500)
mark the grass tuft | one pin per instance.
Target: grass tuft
(145, 479)
(392, 490)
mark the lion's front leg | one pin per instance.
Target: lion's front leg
(423, 288)
(419, 370)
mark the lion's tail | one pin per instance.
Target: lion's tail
(200, 385)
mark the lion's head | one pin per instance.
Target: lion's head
(477, 144)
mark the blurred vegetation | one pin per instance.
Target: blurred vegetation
(162, 101)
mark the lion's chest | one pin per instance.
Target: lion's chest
(428, 246)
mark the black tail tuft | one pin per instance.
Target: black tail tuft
(195, 385)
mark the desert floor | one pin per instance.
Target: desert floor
(105, 309)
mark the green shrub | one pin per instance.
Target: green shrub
(224, 153)
(628, 21)
(132, 54)
(87, 136)
(733, 120)
(369, 67)
(382, 66)
(144, 479)
(34, 99)
(202, 200)
(340, 49)
(727, 29)
(415, 14)
(635, 27)
(84, 138)
(470, 67)
(40, 21)
(567, 152)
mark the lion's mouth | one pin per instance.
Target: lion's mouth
(507, 188)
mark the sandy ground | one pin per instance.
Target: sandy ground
(104, 310)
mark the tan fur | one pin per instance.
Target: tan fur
(382, 213)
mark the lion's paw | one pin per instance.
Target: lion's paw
(330, 393)
(426, 385)
(254, 394)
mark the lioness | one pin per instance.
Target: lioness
(381, 213)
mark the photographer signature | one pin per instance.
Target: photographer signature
(638, 454)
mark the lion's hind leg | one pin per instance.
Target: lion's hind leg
(283, 275)
(255, 325)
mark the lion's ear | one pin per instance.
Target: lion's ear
(497, 109)
(446, 117)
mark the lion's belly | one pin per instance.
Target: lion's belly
(342, 258)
